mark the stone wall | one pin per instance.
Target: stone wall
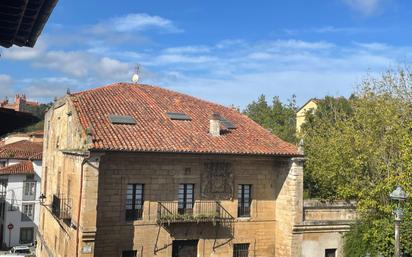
(273, 192)
(324, 226)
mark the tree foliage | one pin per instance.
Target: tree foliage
(278, 117)
(360, 149)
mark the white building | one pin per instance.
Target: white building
(20, 176)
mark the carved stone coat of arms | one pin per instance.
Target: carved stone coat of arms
(217, 181)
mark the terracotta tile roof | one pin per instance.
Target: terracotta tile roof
(36, 157)
(24, 167)
(156, 132)
(21, 150)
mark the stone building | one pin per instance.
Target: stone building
(20, 175)
(323, 227)
(20, 104)
(137, 170)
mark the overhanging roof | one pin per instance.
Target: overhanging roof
(22, 21)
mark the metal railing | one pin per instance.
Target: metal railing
(201, 211)
(62, 207)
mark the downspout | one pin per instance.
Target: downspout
(85, 160)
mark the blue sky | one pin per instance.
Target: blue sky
(228, 52)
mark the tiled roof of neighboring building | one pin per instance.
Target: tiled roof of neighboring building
(21, 150)
(24, 167)
(36, 157)
(154, 131)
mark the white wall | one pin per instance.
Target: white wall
(15, 196)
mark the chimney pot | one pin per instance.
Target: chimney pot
(214, 128)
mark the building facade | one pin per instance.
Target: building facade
(136, 170)
(310, 105)
(21, 104)
(20, 176)
(323, 227)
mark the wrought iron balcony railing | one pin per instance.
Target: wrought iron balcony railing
(201, 211)
(62, 208)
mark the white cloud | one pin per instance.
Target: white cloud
(83, 64)
(5, 86)
(134, 22)
(108, 67)
(366, 7)
(75, 63)
(24, 53)
(187, 49)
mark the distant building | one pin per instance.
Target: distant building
(310, 105)
(20, 103)
(20, 175)
(135, 170)
(35, 136)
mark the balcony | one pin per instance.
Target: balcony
(202, 211)
(62, 208)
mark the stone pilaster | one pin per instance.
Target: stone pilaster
(289, 209)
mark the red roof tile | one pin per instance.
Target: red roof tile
(36, 157)
(24, 167)
(21, 150)
(156, 132)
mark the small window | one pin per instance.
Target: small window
(240, 250)
(178, 116)
(134, 201)
(29, 190)
(244, 200)
(122, 119)
(26, 235)
(185, 198)
(330, 252)
(2, 164)
(129, 253)
(27, 212)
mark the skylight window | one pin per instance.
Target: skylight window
(178, 116)
(122, 119)
(227, 124)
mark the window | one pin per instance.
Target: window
(134, 201)
(129, 253)
(27, 213)
(240, 250)
(29, 190)
(185, 198)
(26, 235)
(330, 253)
(2, 164)
(244, 200)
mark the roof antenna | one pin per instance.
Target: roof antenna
(135, 77)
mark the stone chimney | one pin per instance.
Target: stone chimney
(214, 128)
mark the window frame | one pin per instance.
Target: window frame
(330, 251)
(241, 249)
(185, 198)
(26, 229)
(134, 209)
(244, 203)
(29, 194)
(24, 216)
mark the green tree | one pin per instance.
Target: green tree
(361, 153)
(278, 117)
